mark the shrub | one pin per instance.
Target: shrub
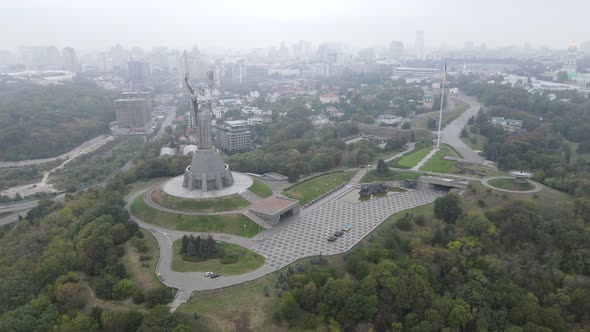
(404, 224)
(420, 220)
(138, 297)
(123, 289)
(481, 203)
(157, 296)
(144, 258)
(139, 245)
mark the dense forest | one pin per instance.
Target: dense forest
(519, 267)
(63, 257)
(555, 132)
(46, 121)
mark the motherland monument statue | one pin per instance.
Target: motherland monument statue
(207, 170)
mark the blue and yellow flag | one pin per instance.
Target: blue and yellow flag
(445, 72)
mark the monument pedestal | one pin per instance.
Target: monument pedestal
(207, 172)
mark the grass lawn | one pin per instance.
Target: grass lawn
(437, 164)
(226, 203)
(228, 223)
(479, 198)
(373, 176)
(243, 307)
(260, 189)
(248, 260)
(142, 273)
(312, 188)
(410, 160)
(140, 184)
(509, 184)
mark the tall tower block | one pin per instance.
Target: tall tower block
(570, 62)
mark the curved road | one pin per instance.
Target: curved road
(187, 282)
(536, 186)
(301, 236)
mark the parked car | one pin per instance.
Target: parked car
(208, 274)
(331, 238)
(338, 233)
(346, 227)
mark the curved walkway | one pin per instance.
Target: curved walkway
(536, 186)
(189, 281)
(147, 198)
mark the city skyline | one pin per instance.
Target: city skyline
(233, 25)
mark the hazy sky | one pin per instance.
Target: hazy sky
(244, 24)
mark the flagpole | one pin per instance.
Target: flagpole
(442, 96)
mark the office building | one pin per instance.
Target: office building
(419, 46)
(139, 74)
(70, 60)
(232, 136)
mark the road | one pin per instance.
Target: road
(167, 122)
(451, 133)
(81, 149)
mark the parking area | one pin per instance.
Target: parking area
(308, 235)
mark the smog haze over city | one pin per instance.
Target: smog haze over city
(241, 25)
(297, 165)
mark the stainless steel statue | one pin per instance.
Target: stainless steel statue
(207, 170)
(202, 110)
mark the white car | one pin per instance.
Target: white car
(208, 274)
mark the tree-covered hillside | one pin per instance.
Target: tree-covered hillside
(42, 122)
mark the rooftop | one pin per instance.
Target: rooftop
(272, 205)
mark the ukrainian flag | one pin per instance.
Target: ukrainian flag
(445, 72)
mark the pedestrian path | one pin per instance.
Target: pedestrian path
(424, 160)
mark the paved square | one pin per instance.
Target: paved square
(307, 236)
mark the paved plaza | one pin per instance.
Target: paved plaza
(308, 236)
(174, 187)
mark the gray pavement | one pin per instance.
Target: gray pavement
(297, 237)
(308, 236)
(451, 133)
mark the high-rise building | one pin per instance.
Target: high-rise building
(396, 49)
(571, 61)
(256, 73)
(419, 45)
(134, 111)
(70, 60)
(139, 74)
(232, 136)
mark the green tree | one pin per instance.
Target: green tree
(309, 296)
(382, 167)
(157, 296)
(123, 289)
(448, 208)
(333, 296)
(459, 315)
(289, 307)
(129, 321)
(158, 319)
